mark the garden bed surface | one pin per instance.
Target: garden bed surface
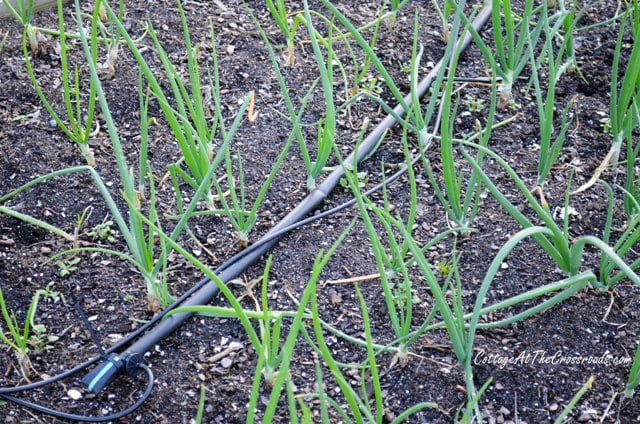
(112, 293)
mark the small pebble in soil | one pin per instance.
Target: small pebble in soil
(7, 242)
(74, 394)
(53, 123)
(587, 415)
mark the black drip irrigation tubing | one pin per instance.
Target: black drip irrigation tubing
(130, 361)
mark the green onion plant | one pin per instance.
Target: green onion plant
(359, 404)
(22, 11)
(189, 119)
(19, 339)
(396, 5)
(324, 132)
(242, 218)
(287, 24)
(241, 214)
(270, 323)
(554, 239)
(510, 36)
(392, 259)
(623, 245)
(444, 13)
(362, 408)
(569, 20)
(362, 80)
(109, 33)
(459, 199)
(566, 254)
(140, 241)
(290, 22)
(201, 402)
(327, 126)
(267, 344)
(295, 117)
(634, 375)
(368, 51)
(270, 333)
(461, 327)
(550, 146)
(80, 124)
(141, 244)
(234, 201)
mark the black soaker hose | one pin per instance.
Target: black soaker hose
(131, 359)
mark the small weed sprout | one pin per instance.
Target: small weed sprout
(40, 341)
(474, 104)
(68, 267)
(605, 125)
(104, 232)
(444, 267)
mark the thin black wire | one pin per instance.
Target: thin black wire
(87, 324)
(145, 395)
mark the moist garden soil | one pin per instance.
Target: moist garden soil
(216, 352)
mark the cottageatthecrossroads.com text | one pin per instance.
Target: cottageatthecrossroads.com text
(541, 357)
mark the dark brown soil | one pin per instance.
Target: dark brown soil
(113, 295)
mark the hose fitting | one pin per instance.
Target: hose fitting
(107, 371)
